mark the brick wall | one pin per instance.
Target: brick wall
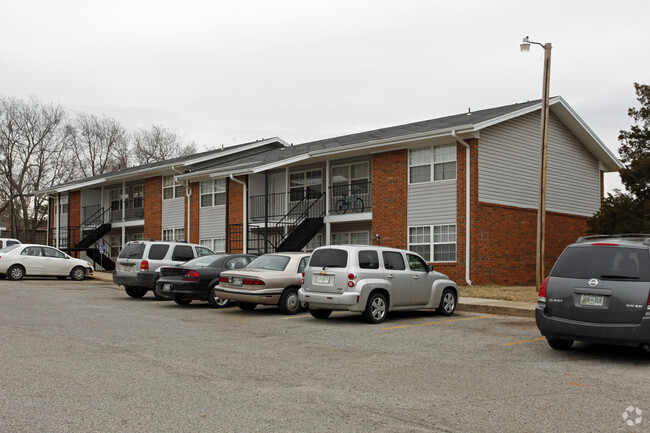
(74, 217)
(153, 208)
(235, 211)
(389, 198)
(195, 199)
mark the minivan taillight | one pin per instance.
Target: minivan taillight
(649, 301)
(542, 290)
(144, 265)
(191, 276)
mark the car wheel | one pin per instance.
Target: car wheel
(559, 344)
(156, 295)
(320, 314)
(183, 301)
(135, 292)
(16, 272)
(376, 309)
(246, 305)
(217, 302)
(78, 273)
(447, 303)
(289, 302)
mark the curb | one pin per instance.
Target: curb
(493, 306)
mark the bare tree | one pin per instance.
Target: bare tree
(158, 144)
(33, 156)
(100, 144)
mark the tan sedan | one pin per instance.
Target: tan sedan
(271, 279)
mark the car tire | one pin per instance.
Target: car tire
(559, 344)
(77, 273)
(320, 314)
(183, 301)
(16, 272)
(289, 302)
(376, 309)
(217, 302)
(135, 292)
(156, 295)
(247, 306)
(447, 303)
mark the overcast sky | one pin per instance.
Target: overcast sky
(224, 72)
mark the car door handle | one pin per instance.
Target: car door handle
(415, 277)
(390, 276)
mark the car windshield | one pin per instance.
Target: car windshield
(329, 258)
(604, 262)
(203, 261)
(132, 251)
(9, 248)
(270, 262)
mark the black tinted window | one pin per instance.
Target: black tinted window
(393, 261)
(132, 251)
(183, 253)
(368, 260)
(13, 243)
(158, 251)
(329, 258)
(603, 262)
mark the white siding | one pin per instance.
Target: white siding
(173, 213)
(212, 222)
(432, 203)
(509, 167)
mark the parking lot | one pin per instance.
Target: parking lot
(83, 356)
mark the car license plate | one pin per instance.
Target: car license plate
(592, 300)
(235, 281)
(323, 279)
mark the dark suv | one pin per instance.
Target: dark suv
(598, 291)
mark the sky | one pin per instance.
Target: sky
(227, 72)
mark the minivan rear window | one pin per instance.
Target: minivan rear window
(603, 262)
(132, 251)
(329, 258)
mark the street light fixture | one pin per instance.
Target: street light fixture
(541, 212)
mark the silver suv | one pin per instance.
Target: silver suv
(598, 291)
(373, 281)
(139, 261)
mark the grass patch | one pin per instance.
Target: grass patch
(506, 293)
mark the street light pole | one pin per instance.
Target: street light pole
(541, 212)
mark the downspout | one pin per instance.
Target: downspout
(188, 194)
(245, 218)
(58, 220)
(468, 200)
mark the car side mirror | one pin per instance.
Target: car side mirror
(66, 256)
(429, 268)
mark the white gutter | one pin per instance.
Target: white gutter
(245, 222)
(468, 199)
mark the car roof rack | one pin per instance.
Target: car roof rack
(641, 236)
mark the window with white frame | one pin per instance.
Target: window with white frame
(351, 238)
(63, 204)
(173, 234)
(305, 184)
(138, 196)
(171, 188)
(314, 243)
(116, 244)
(116, 199)
(217, 245)
(351, 178)
(434, 243)
(213, 193)
(138, 236)
(432, 163)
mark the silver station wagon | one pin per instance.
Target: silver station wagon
(373, 281)
(598, 291)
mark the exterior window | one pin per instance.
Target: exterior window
(314, 243)
(138, 196)
(172, 189)
(354, 238)
(218, 245)
(434, 243)
(437, 163)
(305, 184)
(116, 199)
(138, 236)
(174, 235)
(213, 193)
(63, 204)
(351, 178)
(116, 244)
